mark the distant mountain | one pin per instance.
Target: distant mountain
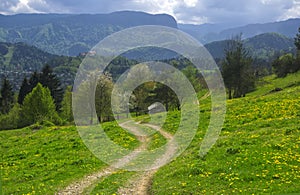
(288, 28)
(261, 46)
(207, 33)
(66, 34)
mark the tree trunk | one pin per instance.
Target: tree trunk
(229, 94)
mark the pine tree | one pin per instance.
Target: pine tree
(237, 70)
(24, 90)
(7, 97)
(297, 44)
(27, 86)
(50, 80)
(34, 80)
(297, 40)
(38, 106)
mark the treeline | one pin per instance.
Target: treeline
(139, 99)
(288, 63)
(238, 67)
(40, 99)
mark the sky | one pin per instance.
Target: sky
(235, 12)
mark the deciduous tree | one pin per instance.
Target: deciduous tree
(103, 97)
(66, 105)
(38, 106)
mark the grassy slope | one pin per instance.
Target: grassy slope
(43, 161)
(8, 56)
(257, 152)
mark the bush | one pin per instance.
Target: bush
(10, 120)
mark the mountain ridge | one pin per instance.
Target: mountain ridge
(216, 32)
(270, 42)
(71, 34)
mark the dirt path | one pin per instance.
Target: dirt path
(139, 185)
(79, 186)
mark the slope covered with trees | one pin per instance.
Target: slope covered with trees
(72, 34)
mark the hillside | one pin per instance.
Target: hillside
(207, 33)
(262, 47)
(22, 57)
(68, 34)
(288, 28)
(257, 151)
(18, 60)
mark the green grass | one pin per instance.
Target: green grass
(120, 136)
(8, 56)
(157, 140)
(257, 151)
(269, 83)
(111, 184)
(44, 161)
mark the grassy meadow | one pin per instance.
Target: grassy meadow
(257, 152)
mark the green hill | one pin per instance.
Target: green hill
(260, 46)
(22, 57)
(71, 34)
(18, 60)
(257, 151)
(263, 47)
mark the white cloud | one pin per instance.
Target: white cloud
(22, 6)
(235, 12)
(190, 3)
(293, 12)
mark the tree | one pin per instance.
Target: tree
(194, 77)
(48, 79)
(140, 98)
(84, 100)
(297, 40)
(103, 96)
(27, 86)
(33, 80)
(66, 105)
(237, 69)
(166, 96)
(297, 44)
(38, 106)
(10, 120)
(283, 65)
(7, 97)
(24, 90)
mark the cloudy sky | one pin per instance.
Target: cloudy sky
(237, 12)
